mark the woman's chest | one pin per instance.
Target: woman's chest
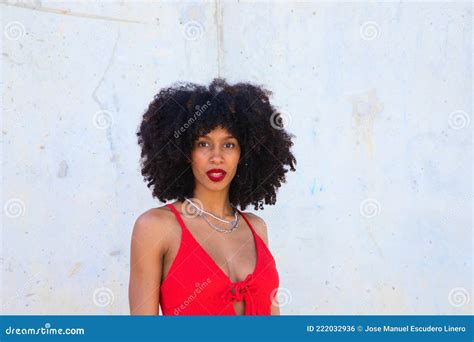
(235, 254)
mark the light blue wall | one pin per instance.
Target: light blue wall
(376, 220)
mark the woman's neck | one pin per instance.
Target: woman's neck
(215, 202)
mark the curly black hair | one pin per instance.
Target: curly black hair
(180, 114)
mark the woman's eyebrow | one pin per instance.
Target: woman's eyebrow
(223, 138)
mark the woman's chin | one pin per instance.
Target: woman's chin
(216, 186)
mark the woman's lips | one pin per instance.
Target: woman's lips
(216, 175)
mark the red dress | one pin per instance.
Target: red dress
(196, 285)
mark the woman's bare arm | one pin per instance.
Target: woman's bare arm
(148, 246)
(275, 307)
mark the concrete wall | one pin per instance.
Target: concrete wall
(376, 220)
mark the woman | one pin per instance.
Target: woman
(211, 149)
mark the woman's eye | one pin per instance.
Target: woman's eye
(229, 145)
(202, 144)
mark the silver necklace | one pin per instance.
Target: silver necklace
(234, 223)
(200, 210)
(222, 230)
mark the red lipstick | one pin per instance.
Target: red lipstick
(216, 175)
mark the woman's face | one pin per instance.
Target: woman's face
(215, 157)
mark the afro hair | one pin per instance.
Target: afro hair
(180, 114)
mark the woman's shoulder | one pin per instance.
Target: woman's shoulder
(154, 216)
(259, 225)
(152, 227)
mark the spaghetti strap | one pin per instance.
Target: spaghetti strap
(178, 216)
(246, 220)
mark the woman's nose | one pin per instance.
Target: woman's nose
(216, 154)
